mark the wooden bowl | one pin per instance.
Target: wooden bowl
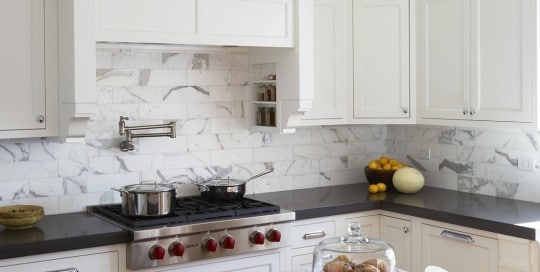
(20, 216)
(375, 176)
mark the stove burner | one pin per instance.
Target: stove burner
(190, 210)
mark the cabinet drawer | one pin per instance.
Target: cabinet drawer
(106, 261)
(312, 233)
(302, 263)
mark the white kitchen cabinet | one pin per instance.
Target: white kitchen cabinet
(332, 61)
(103, 259)
(476, 61)
(457, 250)
(381, 59)
(308, 233)
(262, 263)
(200, 22)
(398, 233)
(28, 97)
(517, 255)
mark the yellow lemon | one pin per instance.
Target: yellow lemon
(381, 186)
(383, 160)
(387, 167)
(373, 188)
(395, 167)
(373, 165)
(392, 161)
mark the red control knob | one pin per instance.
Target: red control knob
(210, 244)
(257, 238)
(227, 242)
(157, 252)
(273, 235)
(176, 249)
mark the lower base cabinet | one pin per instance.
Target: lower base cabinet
(398, 233)
(103, 259)
(455, 250)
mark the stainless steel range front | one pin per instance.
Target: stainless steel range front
(200, 229)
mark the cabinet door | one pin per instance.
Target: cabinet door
(262, 263)
(444, 58)
(145, 21)
(369, 225)
(457, 251)
(381, 59)
(502, 59)
(247, 22)
(397, 232)
(107, 261)
(22, 64)
(332, 50)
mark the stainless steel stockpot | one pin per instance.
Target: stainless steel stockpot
(147, 199)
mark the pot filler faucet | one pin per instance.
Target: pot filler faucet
(127, 145)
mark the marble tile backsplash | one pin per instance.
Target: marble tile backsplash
(482, 161)
(205, 91)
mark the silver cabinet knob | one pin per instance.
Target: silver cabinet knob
(471, 112)
(40, 119)
(465, 111)
(405, 110)
(406, 230)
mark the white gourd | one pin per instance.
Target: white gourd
(408, 180)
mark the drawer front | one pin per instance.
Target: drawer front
(302, 263)
(311, 234)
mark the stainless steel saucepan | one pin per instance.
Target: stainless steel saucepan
(148, 199)
(226, 189)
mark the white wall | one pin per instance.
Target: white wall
(154, 85)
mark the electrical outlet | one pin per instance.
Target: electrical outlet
(527, 164)
(423, 153)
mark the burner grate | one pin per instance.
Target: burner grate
(191, 210)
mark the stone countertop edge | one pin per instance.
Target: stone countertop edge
(494, 214)
(60, 232)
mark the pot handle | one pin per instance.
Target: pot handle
(121, 190)
(261, 174)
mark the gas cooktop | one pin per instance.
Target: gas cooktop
(192, 209)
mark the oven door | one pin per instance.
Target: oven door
(264, 261)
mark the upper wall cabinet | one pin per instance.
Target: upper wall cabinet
(28, 97)
(477, 61)
(200, 22)
(381, 60)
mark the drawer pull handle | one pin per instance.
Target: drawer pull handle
(457, 236)
(314, 235)
(71, 269)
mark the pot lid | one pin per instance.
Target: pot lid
(354, 242)
(149, 187)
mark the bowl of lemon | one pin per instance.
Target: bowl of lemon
(379, 174)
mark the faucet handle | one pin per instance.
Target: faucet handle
(122, 125)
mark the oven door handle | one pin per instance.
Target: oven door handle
(71, 269)
(314, 235)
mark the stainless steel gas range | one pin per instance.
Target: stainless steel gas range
(199, 229)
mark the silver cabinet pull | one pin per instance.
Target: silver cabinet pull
(314, 235)
(457, 236)
(71, 269)
(465, 111)
(406, 229)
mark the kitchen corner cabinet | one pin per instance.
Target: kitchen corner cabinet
(103, 259)
(398, 233)
(476, 61)
(199, 22)
(381, 61)
(28, 98)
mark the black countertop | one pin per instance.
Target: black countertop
(506, 216)
(59, 233)
(501, 215)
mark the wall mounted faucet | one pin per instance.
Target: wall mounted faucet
(127, 145)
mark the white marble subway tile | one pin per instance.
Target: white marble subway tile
(46, 187)
(49, 204)
(175, 60)
(204, 142)
(367, 133)
(79, 203)
(209, 110)
(45, 150)
(247, 139)
(344, 149)
(117, 77)
(136, 162)
(396, 132)
(162, 145)
(12, 152)
(221, 94)
(12, 190)
(193, 159)
(219, 125)
(101, 129)
(210, 61)
(208, 77)
(136, 59)
(374, 146)
(21, 170)
(238, 125)
(272, 154)
(296, 167)
(85, 166)
(75, 185)
(104, 183)
(238, 78)
(112, 112)
(104, 59)
(341, 177)
(311, 151)
(441, 180)
(330, 135)
(239, 61)
(309, 181)
(137, 94)
(358, 161)
(194, 127)
(171, 111)
(102, 147)
(333, 163)
(441, 151)
(104, 95)
(301, 136)
(487, 187)
(166, 78)
(187, 94)
(225, 158)
(422, 134)
(269, 184)
(527, 192)
(238, 109)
